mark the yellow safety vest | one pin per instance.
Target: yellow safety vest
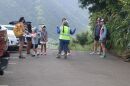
(66, 34)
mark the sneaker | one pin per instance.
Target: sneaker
(34, 54)
(68, 54)
(62, 53)
(38, 53)
(41, 53)
(21, 57)
(44, 53)
(93, 53)
(103, 56)
(58, 56)
(99, 53)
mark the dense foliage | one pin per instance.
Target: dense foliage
(117, 16)
(82, 38)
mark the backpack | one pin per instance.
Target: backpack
(18, 30)
(108, 35)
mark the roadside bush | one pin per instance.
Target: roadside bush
(82, 38)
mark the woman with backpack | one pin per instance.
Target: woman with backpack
(43, 39)
(96, 36)
(102, 39)
(19, 31)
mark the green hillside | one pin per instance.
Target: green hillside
(49, 12)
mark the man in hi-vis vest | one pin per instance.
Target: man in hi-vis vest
(64, 38)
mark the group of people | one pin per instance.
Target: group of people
(33, 37)
(100, 38)
(36, 36)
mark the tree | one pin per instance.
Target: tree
(117, 16)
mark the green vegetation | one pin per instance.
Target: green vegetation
(117, 16)
(83, 41)
(78, 47)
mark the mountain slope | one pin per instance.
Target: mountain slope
(49, 12)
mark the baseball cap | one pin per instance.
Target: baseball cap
(102, 20)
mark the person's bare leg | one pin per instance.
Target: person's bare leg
(41, 48)
(103, 49)
(93, 45)
(100, 49)
(20, 49)
(94, 48)
(28, 47)
(35, 51)
(45, 49)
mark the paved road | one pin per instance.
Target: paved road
(81, 69)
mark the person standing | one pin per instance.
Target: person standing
(34, 36)
(96, 36)
(28, 37)
(64, 38)
(20, 25)
(102, 39)
(68, 51)
(43, 39)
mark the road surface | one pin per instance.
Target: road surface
(80, 69)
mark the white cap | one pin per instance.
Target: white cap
(102, 20)
(33, 28)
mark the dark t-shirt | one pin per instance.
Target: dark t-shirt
(97, 30)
